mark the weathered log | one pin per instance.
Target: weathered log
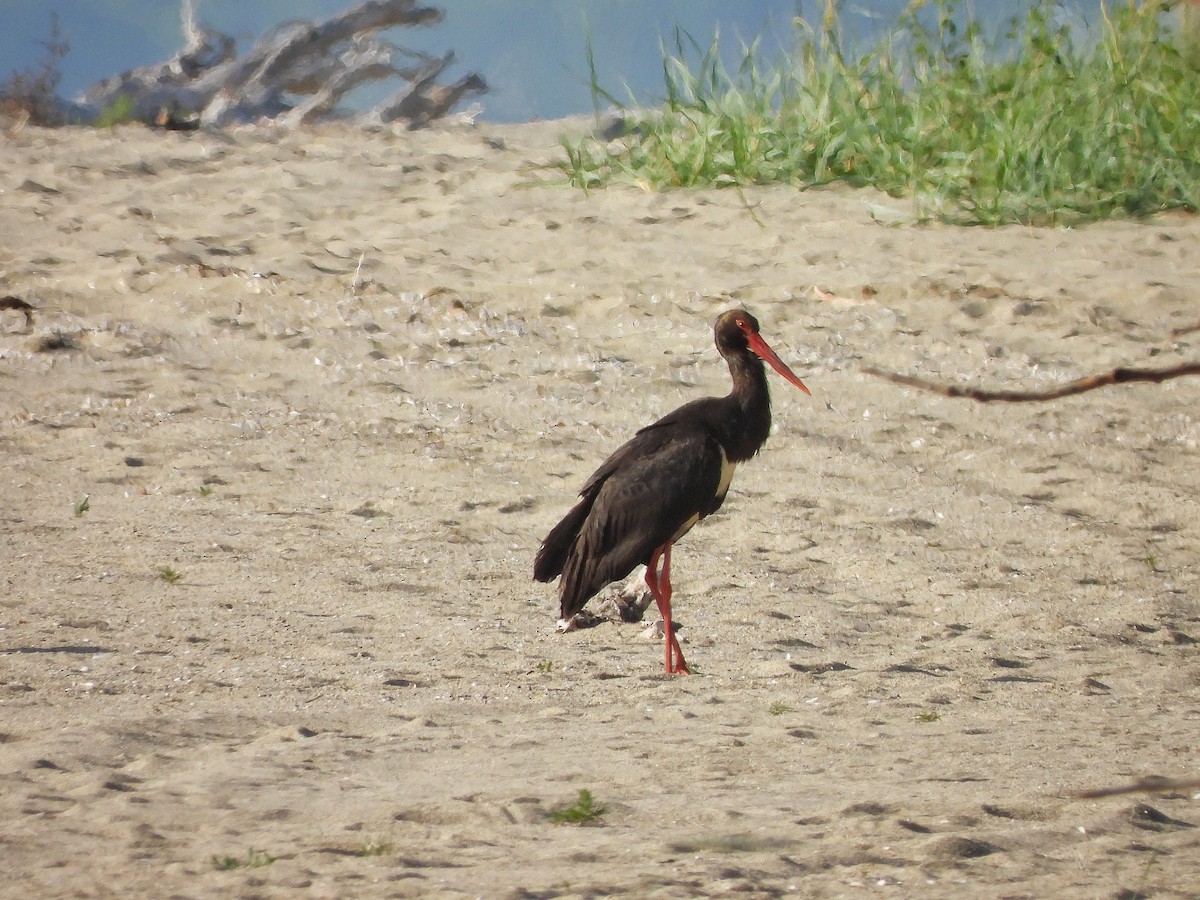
(423, 100)
(323, 61)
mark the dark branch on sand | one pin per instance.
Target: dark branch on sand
(1151, 784)
(295, 75)
(1079, 386)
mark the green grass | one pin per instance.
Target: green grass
(1033, 126)
(778, 708)
(169, 575)
(82, 505)
(252, 860)
(375, 846)
(583, 811)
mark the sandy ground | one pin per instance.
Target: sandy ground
(341, 385)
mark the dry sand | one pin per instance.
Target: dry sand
(343, 384)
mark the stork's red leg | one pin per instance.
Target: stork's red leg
(660, 589)
(664, 585)
(652, 583)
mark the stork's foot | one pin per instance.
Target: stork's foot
(675, 664)
(679, 667)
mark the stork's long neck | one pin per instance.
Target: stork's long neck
(750, 406)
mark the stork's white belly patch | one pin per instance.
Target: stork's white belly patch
(685, 527)
(727, 469)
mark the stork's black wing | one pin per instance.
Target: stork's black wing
(649, 490)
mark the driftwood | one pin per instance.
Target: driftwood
(296, 75)
(1079, 386)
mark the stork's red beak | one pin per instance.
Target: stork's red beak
(766, 354)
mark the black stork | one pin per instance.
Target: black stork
(660, 483)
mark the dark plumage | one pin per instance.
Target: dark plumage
(667, 477)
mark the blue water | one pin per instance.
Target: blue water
(532, 52)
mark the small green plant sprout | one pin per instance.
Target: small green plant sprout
(1152, 562)
(583, 811)
(254, 859)
(206, 489)
(545, 666)
(82, 505)
(927, 716)
(778, 709)
(374, 846)
(169, 575)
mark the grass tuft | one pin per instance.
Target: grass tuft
(169, 575)
(583, 811)
(1036, 125)
(375, 846)
(253, 859)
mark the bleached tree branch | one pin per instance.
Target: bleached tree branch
(211, 85)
